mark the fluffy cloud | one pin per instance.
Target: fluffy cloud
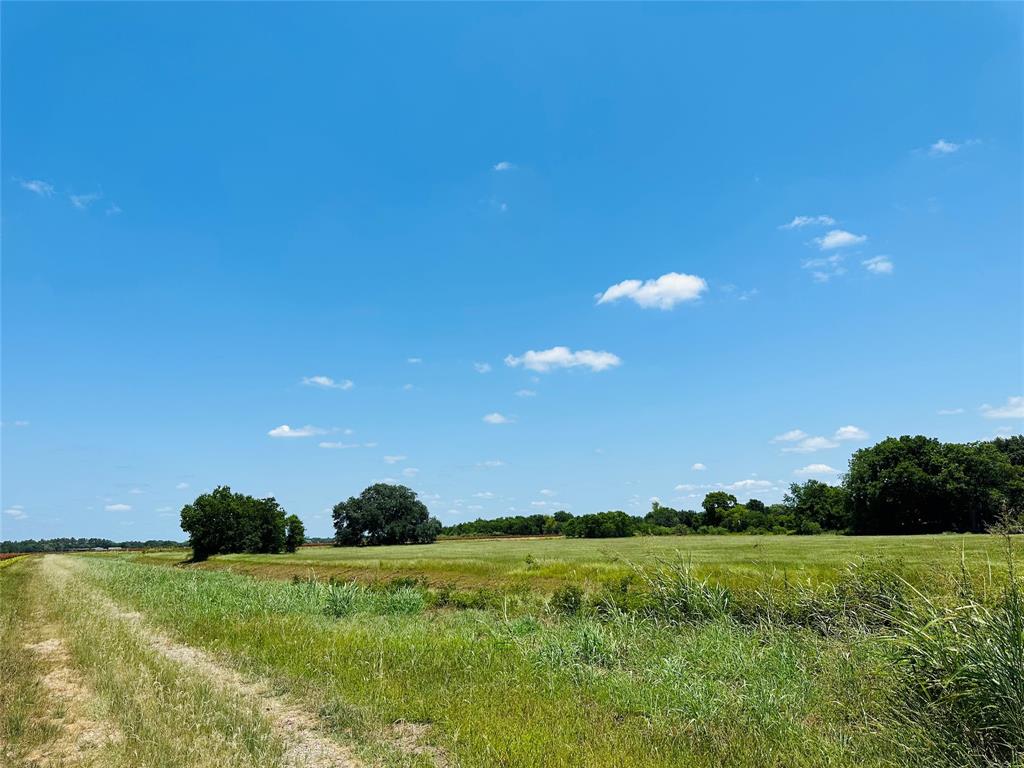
(698, 467)
(941, 148)
(16, 511)
(483, 495)
(547, 492)
(850, 433)
(491, 464)
(393, 459)
(838, 238)
(950, 411)
(791, 436)
(338, 445)
(504, 165)
(1014, 409)
(118, 507)
(799, 222)
(410, 472)
(326, 382)
(826, 267)
(812, 470)
(878, 265)
(750, 485)
(39, 187)
(497, 418)
(811, 444)
(663, 293)
(525, 393)
(482, 367)
(414, 360)
(285, 431)
(563, 357)
(181, 486)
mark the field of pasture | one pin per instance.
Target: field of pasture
(688, 651)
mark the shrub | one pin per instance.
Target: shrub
(567, 600)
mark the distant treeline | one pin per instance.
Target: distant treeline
(67, 545)
(899, 486)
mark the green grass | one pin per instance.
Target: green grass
(739, 561)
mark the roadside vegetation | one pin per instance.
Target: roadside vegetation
(668, 659)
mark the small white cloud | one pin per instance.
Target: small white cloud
(850, 433)
(547, 492)
(686, 487)
(663, 293)
(491, 464)
(118, 507)
(563, 357)
(525, 393)
(38, 186)
(497, 418)
(21, 422)
(504, 165)
(799, 222)
(181, 486)
(82, 202)
(750, 485)
(812, 470)
(483, 495)
(408, 387)
(839, 238)
(825, 267)
(410, 472)
(336, 445)
(285, 431)
(164, 510)
(789, 437)
(698, 467)
(950, 411)
(811, 444)
(136, 491)
(942, 147)
(326, 382)
(878, 265)
(16, 511)
(393, 459)
(482, 367)
(414, 360)
(113, 210)
(1014, 409)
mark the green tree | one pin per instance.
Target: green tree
(222, 521)
(818, 506)
(384, 514)
(295, 533)
(715, 505)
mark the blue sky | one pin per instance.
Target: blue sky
(519, 257)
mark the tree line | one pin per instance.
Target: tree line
(222, 522)
(72, 544)
(901, 485)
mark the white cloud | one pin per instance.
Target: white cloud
(525, 393)
(414, 360)
(950, 411)
(814, 469)
(410, 472)
(563, 357)
(408, 387)
(113, 210)
(504, 165)
(118, 507)
(799, 222)
(850, 433)
(21, 422)
(326, 382)
(878, 265)
(16, 511)
(687, 487)
(825, 267)
(789, 437)
(698, 467)
(547, 492)
(82, 202)
(838, 238)
(482, 367)
(663, 293)
(393, 459)
(136, 491)
(811, 444)
(164, 510)
(483, 495)
(336, 445)
(1014, 409)
(491, 463)
(497, 418)
(38, 186)
(285, 431)
(750, 485)
(181, 486)
(943, 147)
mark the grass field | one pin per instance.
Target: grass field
(740, 651)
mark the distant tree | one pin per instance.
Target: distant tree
(222, 521)
(662, 516)
(715, 505)
(756, 505)
(817, 506)
(295, 533)
(384, 514)
(602, 525)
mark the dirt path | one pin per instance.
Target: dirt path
(306, 744)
